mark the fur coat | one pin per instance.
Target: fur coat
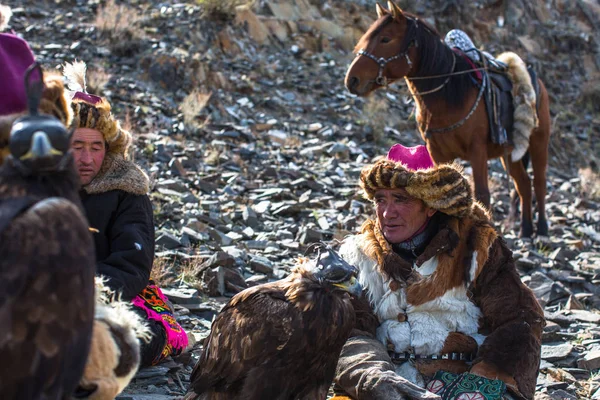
(463, 294)
(120, 213)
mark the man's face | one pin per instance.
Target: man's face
(88, 149)
(400, 216)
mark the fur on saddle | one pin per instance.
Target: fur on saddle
(114, 355)
(524, 101)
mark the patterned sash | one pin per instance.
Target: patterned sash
(154, 302)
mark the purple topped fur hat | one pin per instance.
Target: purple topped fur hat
(441, 187)
(15, 58)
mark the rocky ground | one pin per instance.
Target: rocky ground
(254, 145)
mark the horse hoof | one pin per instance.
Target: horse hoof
(542, 229)
(526, 230)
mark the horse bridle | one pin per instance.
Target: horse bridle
(381, 80)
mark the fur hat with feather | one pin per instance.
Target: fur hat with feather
(94, 112)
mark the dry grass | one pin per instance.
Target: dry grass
(376, 113)
(163, 272)
(192, 107)
(590, 183)
(586, 389)
(120, 24)
(167, 271)
(117, 19)
(590, 96)
(221, 10)
(212, 155)
(189, 273)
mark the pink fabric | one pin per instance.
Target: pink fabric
(88, 98)
(15, 58)
(414, 158)
(478, 74)
(161, 312)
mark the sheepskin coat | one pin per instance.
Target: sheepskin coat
(120, 213)
(461, 294)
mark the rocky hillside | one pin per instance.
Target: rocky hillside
(255, 146)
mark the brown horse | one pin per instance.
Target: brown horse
(452, 120)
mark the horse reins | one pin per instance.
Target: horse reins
(462, 121)
(382, 61)
(440, 87)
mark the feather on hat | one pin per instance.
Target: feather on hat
(5, 14)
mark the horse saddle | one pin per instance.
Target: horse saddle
(499, 104)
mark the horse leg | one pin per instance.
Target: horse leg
(523, 185)
(513, 211)
(480, 175)
(515, 201)
(538, 149)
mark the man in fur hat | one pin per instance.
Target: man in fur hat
(444, 306)
(114, 195)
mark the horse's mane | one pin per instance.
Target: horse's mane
(436, 59)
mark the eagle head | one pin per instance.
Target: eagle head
(332, 270)
(38, 143)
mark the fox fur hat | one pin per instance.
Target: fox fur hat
(442, 187)
(94, 112)
(90, 111)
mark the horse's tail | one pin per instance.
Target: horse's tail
(524, 102)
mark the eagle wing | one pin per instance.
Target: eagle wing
(47, 267)
(251, 329)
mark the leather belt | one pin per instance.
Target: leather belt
(406, 356)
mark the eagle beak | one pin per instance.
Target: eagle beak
(40, 147)
(351, 286)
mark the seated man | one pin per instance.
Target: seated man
(443, 301)
(114, 195)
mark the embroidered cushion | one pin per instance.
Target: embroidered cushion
(466, 386)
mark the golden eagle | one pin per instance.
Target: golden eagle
(280, 340)
(47, 261)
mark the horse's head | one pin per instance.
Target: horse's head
(384, 52)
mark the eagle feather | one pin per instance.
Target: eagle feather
(75, 76)
(5, 14)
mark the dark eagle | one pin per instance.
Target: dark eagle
(280, 340)
(47, 261)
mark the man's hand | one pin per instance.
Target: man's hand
(390, 386)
